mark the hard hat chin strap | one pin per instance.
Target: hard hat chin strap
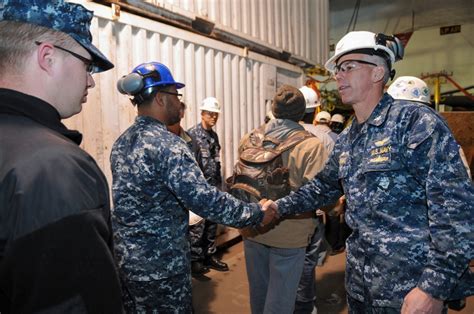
(392, 74)
(138, 99)
(146, 94)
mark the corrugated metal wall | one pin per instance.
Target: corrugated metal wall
(296, 26)
(243, 82)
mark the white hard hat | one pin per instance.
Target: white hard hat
(410, 88)
(358, 40)
(311, 98)
(210, 104)
(337, 118)
(323, 116)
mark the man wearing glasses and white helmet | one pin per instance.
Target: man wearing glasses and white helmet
(410, 202)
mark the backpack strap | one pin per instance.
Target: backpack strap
(254, 152)
(293, 140)
(246, 185)
(255, 138)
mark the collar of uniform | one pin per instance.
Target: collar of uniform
(199, 126)
(376, 118)
(185, 136)
(148, 119)
(380, 112)
(19, 104)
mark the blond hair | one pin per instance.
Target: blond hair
(17, 42)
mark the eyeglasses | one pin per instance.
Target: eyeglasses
(351, 65)
(91, 68)
(211, 113)
(178, 95)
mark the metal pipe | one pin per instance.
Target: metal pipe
(451, 80)
(437, 92)
(206, 28)
(462, 90)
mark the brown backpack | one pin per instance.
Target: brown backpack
(259, 173)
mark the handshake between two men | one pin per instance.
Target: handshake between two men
(270, 211)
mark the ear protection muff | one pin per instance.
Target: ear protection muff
(130, 84)
(133, 84)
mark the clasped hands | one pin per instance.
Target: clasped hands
(419, 302)
(270, 211)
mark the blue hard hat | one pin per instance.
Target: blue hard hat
(145, 77)
(156, 74)
(144, 80)
(70, 18)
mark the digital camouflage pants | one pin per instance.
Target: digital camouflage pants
(202, 239)
(169, 295)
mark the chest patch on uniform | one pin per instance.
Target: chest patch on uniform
(381, 142)
(343, 158)
(380, 154)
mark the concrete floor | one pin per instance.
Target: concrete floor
(227, 292)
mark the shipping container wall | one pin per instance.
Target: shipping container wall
(244, 82)
(299, 27)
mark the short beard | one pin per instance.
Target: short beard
(173, 117)
(173, 120)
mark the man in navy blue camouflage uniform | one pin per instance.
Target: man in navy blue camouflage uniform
(410, 202)
(56, 244)
(155, 180)
(203, 234)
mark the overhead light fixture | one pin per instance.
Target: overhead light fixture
(202, 26)
(285, 55)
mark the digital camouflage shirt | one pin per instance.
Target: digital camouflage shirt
(155, 178)
(208, 143)
(409, 202)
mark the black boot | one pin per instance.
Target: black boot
(457, 305)
(198, 268)
(214, 263)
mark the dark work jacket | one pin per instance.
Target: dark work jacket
(193, 146)
(208, 143)
(56, 249)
